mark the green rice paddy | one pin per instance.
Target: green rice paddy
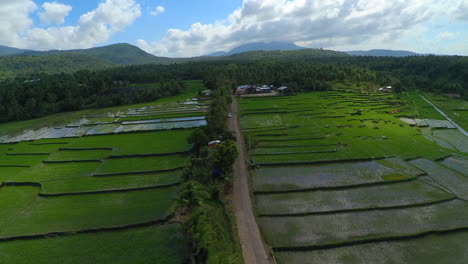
(164, 244)
(94, 198)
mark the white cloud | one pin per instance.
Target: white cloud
(54, 13)
(157, 11)
(94, 27)
(14, 19)
(445, 35)
(461, 10)
(325, 23)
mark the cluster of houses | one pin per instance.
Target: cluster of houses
(251, 89)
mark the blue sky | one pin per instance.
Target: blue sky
(178, 14)
(196, 27)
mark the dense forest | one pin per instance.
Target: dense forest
(28, 96)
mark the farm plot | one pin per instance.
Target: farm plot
(416, 107)
(53, 171)
(346, 174)
(69, 154)
(141, 164)
(166, 244)
(327, 230)
(457, 163)
(335, 171)
(129, 144)
(420, 250)
(13, 200)
(78, 212)
(95, 192)
(379, 196)
(110, 183)
(449, 138)
(453, 181)
(455, 108)
(12, 159)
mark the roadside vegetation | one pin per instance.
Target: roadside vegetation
(210, 224)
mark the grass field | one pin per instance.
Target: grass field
(58, 177)
(339, 176)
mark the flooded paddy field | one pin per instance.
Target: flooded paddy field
(339, 177)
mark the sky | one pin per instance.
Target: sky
(186, 28)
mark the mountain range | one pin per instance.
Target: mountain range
(14, 61)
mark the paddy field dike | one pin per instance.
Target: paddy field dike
(341, 177)
(97, 186)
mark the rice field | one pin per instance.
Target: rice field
(425, 249)
(94, 188)
(455, 108)
(343, 177)
(165, 243)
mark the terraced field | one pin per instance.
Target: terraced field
(339, 178)
(98, 189)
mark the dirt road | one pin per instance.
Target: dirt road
(253, 248)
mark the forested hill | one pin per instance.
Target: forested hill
(68, 61)
(120, 54)
(14, 65)
(6, 51)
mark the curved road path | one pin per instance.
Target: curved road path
(253, 248)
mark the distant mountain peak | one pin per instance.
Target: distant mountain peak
(258, 46)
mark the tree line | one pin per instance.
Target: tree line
(34, 95)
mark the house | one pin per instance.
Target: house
(206, 93)
(282, 89)
(213, 144)
(265, 90)
(243, 89)
(251, 90)
(385, 89)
